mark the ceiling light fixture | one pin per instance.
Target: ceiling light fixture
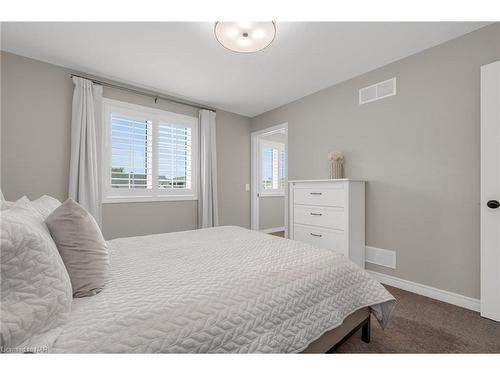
(245, 37)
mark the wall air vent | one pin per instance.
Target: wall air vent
(377, 91)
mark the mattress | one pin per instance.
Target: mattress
(218, 290)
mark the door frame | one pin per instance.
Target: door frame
(255, 172)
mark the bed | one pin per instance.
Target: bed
(222, 290)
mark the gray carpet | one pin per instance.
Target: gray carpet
(424, 325)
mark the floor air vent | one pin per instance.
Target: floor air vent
(377, 91)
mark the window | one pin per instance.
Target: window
(272, 171)
(148, 154)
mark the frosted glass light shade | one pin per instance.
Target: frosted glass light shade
(245, 37)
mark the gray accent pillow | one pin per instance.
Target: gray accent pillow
(82, 247)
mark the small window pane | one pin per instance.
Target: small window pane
(174, 156)
(267, 168)
(131, 153)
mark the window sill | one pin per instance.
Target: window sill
(109, 200)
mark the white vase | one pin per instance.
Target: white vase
(337, 169)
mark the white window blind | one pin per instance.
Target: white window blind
(148, 154)
(174, 156)
(132, 149)
(272, 169)
(282, 175)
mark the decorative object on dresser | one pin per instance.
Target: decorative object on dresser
(329, 214)
(336, 164)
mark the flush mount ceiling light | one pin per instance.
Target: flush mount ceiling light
(245, 37)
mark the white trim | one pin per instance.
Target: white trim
(428, 291)
(156, 116)
(147, 198)
(272, 230)
(271, 195)
(254, 176)
(381, 257)
(329, 180)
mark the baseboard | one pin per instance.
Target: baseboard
(272, 230)
(428, 291)
(381, 257)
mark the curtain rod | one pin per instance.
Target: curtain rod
(145, 93)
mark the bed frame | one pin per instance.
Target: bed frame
(331, 340)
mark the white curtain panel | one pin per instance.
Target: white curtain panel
(84, 172)
(207, 197)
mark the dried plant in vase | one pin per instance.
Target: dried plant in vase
(336, 164)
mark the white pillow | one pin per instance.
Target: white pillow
(35, 286)
(21, 201)
(45, 205)
(4, 205)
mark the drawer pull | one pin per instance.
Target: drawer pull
(315, 193)
(316, 235)
(316, 214)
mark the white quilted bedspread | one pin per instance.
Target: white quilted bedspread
(224, 289)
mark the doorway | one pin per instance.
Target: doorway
(269, 190)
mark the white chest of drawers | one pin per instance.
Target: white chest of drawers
(329, 214)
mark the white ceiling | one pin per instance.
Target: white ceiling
(185, 60)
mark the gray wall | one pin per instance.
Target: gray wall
(271, 212)
(233, 168)
(36, 115)
(419, 152)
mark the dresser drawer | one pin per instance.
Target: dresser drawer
(321, 196)
(328, 217)
(326, 238)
